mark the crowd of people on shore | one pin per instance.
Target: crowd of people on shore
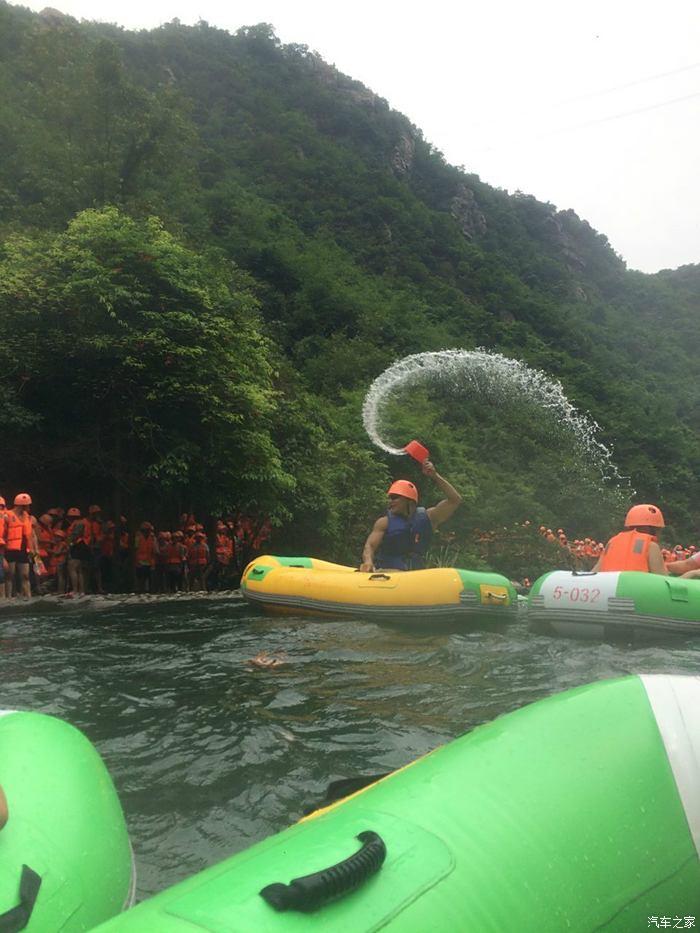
(68, 552)
(586, 551)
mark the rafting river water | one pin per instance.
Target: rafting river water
(210, 755)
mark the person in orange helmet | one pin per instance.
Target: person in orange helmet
(79, 552)
(96, 535)
(636, 548)
(400, 539)
(58, 560)
(146, 551)
(4, 569)
(20, 544)
(198, 560)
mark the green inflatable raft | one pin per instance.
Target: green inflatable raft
(614, 605)
(580, 812)
(65, 859)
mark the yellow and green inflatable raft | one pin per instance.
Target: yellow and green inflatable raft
(65, 860)
(308, 585)
(580, 812)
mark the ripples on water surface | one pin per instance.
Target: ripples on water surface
(210, 756)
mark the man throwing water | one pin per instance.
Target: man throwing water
(400, 539)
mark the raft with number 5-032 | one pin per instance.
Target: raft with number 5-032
(624, 604)
(303, 585)
(580, 812)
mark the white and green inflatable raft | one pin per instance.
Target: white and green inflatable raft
(65, 860)
(625, 605)
(580, 812)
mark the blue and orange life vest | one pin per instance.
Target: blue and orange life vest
(628, 550)
(406, 541)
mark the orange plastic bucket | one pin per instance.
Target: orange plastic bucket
(417, 451)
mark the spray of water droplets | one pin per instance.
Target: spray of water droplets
(491, 377)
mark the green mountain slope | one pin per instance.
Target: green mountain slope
(349, 242)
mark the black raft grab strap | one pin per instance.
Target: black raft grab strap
(17, 918)
(313, 891)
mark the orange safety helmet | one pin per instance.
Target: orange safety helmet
(405, 488)
(2, 501)
(94, 509)
(23, 498)
(645, 515)
(45, 519)
(73, 512)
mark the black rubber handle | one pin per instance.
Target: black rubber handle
(380, 576)
(17, 918)
(313, 891)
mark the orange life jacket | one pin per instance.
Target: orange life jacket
(628, 550)
(96, 533)
(224, 549)
(145, 550)
(176, 554)
(3, 529)
(18, 532)
(58, 556)
(198, 555)
(45, 538)
(79, 532)
(107, 545)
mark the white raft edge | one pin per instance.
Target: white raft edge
(675, 702)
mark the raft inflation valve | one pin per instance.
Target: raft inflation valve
(313, 891)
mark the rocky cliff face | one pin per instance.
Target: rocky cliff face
(403, 155)
(465, 210)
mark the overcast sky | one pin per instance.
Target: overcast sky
(593, 106)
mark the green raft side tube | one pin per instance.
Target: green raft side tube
(615, 601)
(564, 815)
(488, 589)
(65, 824)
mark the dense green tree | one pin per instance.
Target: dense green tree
(128, 358)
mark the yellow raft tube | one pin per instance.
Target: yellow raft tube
(306, 585)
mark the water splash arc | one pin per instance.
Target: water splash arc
(485, 375)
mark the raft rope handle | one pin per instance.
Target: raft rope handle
(380, 576)
(17, 918)
(500, 596)
(313, 891)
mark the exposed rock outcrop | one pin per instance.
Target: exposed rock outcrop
(465, 210)
(403, 155)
